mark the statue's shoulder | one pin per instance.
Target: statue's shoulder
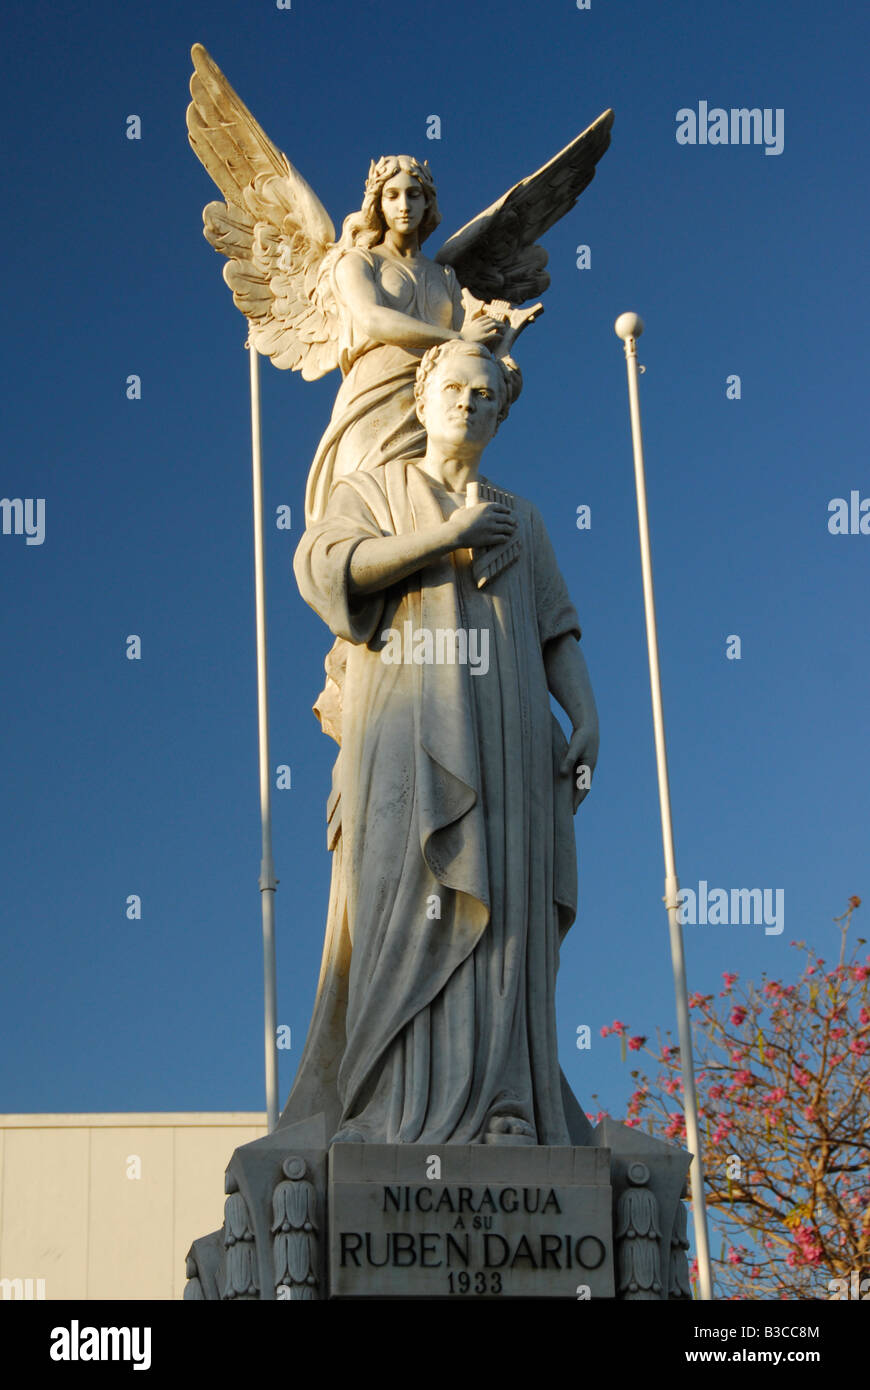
(367, 483)
(377, 488)
(348, 256)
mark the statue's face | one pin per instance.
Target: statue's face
(403, 203)
(461, 401)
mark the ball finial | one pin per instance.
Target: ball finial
(628, 326)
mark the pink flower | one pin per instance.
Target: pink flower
(743, 1078)
(864, 1015)
(675, 1126)
(618, 1027)
(861, 972)
(635, 1044)
(672, 1085)
(858, 1046)
(734, 1256)
(696, 1000)
(810, 1249)
(730, 978)
(715, 1092)
(778, 1093)
(605, 1032)
(809, 1112)
(802, 1078)
(835, 1060)
(838, 1032)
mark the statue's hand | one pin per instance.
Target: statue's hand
(483, 329)
(487, 523)
(582, 753)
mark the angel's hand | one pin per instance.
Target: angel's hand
(483, 330)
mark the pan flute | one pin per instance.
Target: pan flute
(487, 563)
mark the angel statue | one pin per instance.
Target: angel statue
(369, 303)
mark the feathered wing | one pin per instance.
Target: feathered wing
(273, 228)
(495, 255)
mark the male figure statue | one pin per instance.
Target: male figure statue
(451, 816)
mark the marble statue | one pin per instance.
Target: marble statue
(370, 303)
(451, 815)
(450, 821)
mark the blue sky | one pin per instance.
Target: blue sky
(140, 777)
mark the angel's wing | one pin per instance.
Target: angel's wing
(272, 227)
(495, 255)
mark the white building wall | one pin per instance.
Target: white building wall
(74, 1214)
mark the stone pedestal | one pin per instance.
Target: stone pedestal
(469, 1221)
(303, 1222)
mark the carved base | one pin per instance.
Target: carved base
(495, 1220)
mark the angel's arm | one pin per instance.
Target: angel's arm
(458, 302)
(356, 284)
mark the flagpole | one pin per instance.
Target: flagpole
(268, 881)
(629, 327)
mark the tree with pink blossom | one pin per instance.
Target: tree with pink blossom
(784, 1102)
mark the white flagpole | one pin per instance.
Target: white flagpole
(629, 327)
(268, 881)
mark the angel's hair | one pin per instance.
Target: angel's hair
(510, 378)
(367, 227)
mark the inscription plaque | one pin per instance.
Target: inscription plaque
(469, 1221)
